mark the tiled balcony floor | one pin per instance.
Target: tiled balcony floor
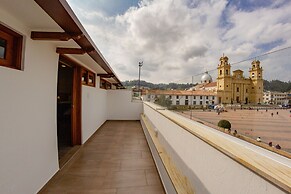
(115, 160)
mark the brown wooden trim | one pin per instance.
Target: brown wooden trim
(61, 36)
(77, 51)
(105, 84)
(76, 118)
(68, 61)
(13, 50)
(64, 16)
(84, 76)
(77, 107)
(104, 75)
(91, 76)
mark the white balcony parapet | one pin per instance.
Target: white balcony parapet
(215, 162)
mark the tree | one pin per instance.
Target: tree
(164, 101)
(224, 124)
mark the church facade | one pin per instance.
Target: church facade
(235, 88)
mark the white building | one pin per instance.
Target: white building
(52, 78)
(277, 98)
(202, 94)
(182, 97)
(52, 75)
(206, 84)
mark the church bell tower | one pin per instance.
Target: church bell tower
(224, 81)
(256, 76)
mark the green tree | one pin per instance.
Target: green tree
(164, 101)
(224, 124)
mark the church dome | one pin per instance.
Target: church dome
(206, 78)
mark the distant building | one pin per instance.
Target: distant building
(229, 89)
(236, 88)
(206, 84)
(182, 97)
(278, 98)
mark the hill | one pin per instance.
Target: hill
(273, 85)
(160, 86)
(277, 86)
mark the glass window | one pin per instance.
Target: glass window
(2, 48)
(91, 79)
(88, 78)
(84, 77)
(10, 48)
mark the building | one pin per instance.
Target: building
(52, 75)
(56, 90)
(277, 98)
(205, 84)
(182, 97)
(235, 88)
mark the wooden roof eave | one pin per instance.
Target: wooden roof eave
(63, 15)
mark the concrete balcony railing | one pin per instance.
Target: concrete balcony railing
(194, 158)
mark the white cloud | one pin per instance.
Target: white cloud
(177, 39)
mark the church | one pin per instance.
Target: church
(235, 88)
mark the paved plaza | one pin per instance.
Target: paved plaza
(253, 123)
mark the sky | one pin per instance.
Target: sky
(178, 39)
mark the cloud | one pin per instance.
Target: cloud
(180, 38)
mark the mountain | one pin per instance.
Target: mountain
(277, 85)
(273, 85)
(160, 86)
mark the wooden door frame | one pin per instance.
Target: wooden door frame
(76, 108)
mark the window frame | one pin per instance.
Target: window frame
(107, 85)
(13, 50)
(86, 74)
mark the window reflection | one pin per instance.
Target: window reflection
(2, 48)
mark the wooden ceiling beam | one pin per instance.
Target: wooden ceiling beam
(76, 51)
(110, 75)
(64, 16)
(60, 36)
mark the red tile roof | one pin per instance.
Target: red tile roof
(181, 92)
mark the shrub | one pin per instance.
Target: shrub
(224, 124)
(163, 101)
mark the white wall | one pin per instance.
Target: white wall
(209, 170)
(121, 107)
(94, 110)
(28, 140)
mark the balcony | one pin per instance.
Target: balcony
(209, 161)
(156, 151)
(189, 157)
(116, 159)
